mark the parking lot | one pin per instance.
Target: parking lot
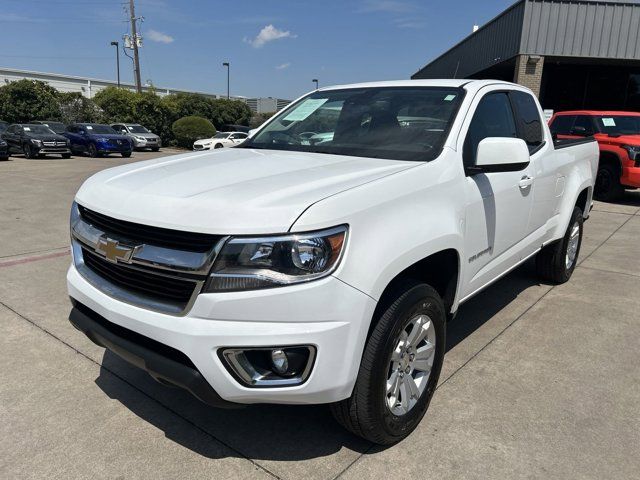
(539, 381)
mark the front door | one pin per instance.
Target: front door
(498, 204)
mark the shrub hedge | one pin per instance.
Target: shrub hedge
(25, 100)
(187, 130)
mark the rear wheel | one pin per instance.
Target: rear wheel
(608, 187)
(399, 369)
(93, 151)
(126, 154)
(556, 262)
(218, 145)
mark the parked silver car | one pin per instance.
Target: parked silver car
(139, 135)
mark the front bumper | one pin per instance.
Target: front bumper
(146, 143)
(631, 177)
(110, 148)
(199, 148)
(54, 151)
(329, 314)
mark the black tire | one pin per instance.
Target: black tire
(126, 154)
(4, 159)
(218, 145)
(608, 187)
(156, 149)
(551, 262)
(93, 151)
(28, 151)
(366, 412)
(66, 155)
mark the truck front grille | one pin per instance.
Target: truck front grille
(164, 271)
(142, 281)
(163, 237)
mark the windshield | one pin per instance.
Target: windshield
(619, 124)
(397, 123)
(38, 129)
(57, 127)
(137, 129)
(100, 129)
(221, 135)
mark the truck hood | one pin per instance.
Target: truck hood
(230, 191)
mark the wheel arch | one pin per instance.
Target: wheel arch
(441, 270)
(607, 157)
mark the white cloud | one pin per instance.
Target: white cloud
(389, 6)
(283, 66)
(159, 37)
(268, 34)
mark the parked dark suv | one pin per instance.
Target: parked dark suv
(35, 140)
(96, 140)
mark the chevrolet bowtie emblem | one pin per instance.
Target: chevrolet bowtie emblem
(114, 251)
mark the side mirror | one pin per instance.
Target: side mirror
(497, 154)
(580, 131)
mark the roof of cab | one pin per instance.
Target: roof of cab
(452, 83)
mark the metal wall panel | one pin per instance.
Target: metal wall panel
(582, 29)
(495, 42)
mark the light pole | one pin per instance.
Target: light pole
(117, 45)
(315, 80)
(226, 64)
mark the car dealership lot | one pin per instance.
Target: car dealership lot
(539, 381)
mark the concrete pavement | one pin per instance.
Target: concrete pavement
(538, 382)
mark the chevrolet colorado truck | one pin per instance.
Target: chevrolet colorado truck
(618, 136)
(299, 272)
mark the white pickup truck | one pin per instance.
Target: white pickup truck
(301, 271)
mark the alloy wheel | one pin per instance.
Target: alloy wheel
(410, 365)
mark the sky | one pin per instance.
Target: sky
(275, 47)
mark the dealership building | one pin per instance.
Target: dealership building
(574, 54)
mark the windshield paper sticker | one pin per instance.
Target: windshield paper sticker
(89, 127)
(27, 129)
(305, 109)
(609, 122)
(448, 98)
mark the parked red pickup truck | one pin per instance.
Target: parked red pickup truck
(618, 136)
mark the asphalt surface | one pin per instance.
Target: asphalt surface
(539, 381)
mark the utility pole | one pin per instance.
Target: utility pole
(134, 41)
(226, 64)
(117, 45)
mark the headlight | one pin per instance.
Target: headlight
(37, 143)
(2, 143)
(141, 139)
(633, 151)
(272, 261)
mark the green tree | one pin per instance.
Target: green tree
(117, 104)
(152, 112)
(75, 107)
(25, 100)
(189, 129)
(233, 112)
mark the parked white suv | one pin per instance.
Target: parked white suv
(221, 140)
(288, 271)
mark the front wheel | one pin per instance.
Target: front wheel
(28, 151)
(155, 149)
(218, 145)
(400, 368)
(126, 154)
(66, 155)
(556, 262)
(93, 151)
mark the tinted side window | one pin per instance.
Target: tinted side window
(583, 126)
(492, 118)
(562, 124)
(529, 118)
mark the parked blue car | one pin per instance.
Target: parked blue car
(96, 140)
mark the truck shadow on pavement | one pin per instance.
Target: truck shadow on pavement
(272, 432)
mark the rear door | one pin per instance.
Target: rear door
(498, 203)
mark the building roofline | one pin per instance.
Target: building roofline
(472, 34)
(62, 76)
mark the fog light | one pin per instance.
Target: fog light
(269, 366)
(279, 361)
